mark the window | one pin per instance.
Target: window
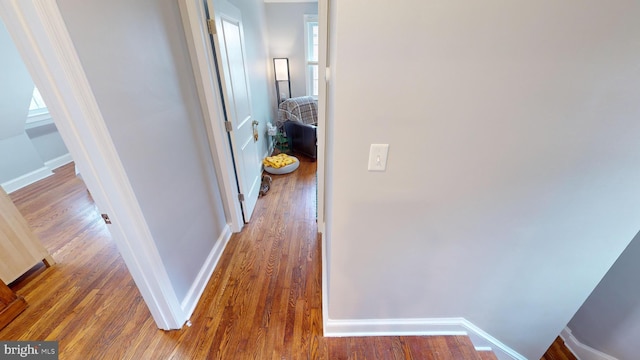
(37, 106)
(311, 42)
(38, 113)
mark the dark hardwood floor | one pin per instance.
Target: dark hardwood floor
(558, 351)
(263, 301)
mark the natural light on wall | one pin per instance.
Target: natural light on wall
(311, 41)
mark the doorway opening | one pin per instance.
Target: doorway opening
(32, 148)
(42, 182)
(263, 41)
(42, 39)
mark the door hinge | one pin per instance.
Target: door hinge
(241, 197)
(106, 219)
(211, 26)
(228, 126)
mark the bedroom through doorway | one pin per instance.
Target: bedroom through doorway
(293, 39)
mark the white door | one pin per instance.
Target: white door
(232, 65)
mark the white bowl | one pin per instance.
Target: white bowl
(283, 170)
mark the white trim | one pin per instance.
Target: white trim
(483, 348)
(481, 340)
(59, 161)
(308, 63)
(201, 54)
(37, 112)
(325, 283)
(26, 179)
(200, 283)
(34, 121)
(323, 26)
(580, 350)
(42, 39)
(394, 327)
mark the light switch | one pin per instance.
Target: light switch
(378, 157)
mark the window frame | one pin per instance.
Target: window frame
(310, 64)
(40, 114)
(37, 105)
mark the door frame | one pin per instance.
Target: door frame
(40, 34)
(194, 18)
(227, 12)
(324, 157)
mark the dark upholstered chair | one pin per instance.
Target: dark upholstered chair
(302, 138)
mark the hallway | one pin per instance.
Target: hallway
(263, 301)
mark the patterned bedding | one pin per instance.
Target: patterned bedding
(303, 109)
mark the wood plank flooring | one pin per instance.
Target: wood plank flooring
(263, 301)
(558, 351)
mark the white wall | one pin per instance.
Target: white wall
(16, 90)
(609, 321)
(47, 141)
(23, 153)
(136, 60)
(262, 92)
(512, 179)
(18, 158)
(17, 154)
(285, 23)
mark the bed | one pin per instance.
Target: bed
(298, 119)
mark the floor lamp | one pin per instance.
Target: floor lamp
(281, 68)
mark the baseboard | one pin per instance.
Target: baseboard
(580, 350)
(26, 179)
(481, 340)
(325, 282)
(197, 288)
(36, 175)
(59, 161)
(394, 327)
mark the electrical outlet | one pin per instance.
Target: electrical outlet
(378, 157)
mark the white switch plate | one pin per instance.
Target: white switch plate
(378, 157)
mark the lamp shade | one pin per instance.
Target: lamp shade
(281, 66)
